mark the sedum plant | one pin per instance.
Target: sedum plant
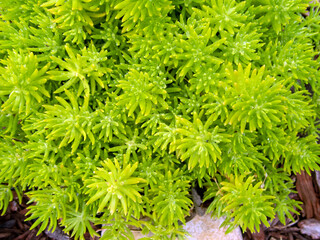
(114, 111)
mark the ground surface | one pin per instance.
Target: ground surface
(305, 227)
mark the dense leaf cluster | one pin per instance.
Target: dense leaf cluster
(113, 110)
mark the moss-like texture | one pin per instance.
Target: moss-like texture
(115, 109)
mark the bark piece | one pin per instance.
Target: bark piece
(290, 230)
(57, 234)
(310, 227)
(246, 236)
(22, 236)
(4, 235)
(277, 235)
(8, 230)
(299, 236)
(19, 222)
(308, 196)
(8, 224)
(259, 236)
(317, 178)
(31, 235)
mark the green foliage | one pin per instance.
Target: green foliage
(134, 12)
(13, 163)
(69, 122)
(6, 197)
(111, 111)
(23, 82)
(278, 13)
(75, 17)
(171, 202)
(79, 222)
(256, 101)
(143, 91)
(280, 186)
(198, 143)
(243, 48)
(115, 186)
(51, 205)
(223, 15)
(119, 229)
(240, 196)
(81, 68)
